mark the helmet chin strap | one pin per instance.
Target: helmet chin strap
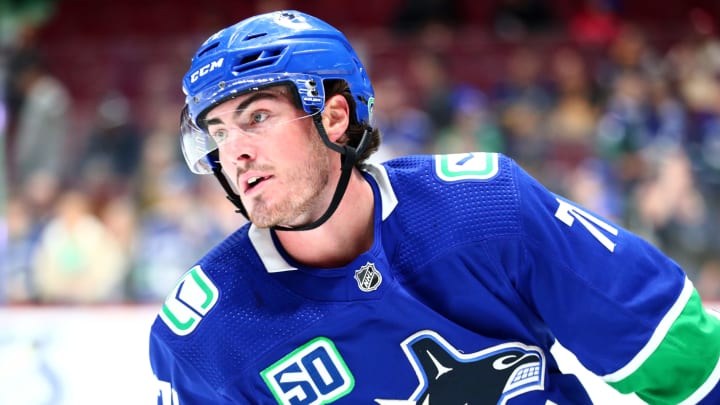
(230, 193)
(348, 158)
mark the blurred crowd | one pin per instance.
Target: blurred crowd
(622, 119)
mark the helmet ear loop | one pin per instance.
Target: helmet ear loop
(345, 151)
(317, 119)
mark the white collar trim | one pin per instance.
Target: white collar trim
(262, 241)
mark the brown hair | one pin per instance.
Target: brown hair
(355, 130)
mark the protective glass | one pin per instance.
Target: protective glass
(257, 115)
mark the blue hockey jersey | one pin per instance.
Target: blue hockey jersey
(475, 271)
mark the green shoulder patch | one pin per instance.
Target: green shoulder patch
(466, 166)
(189, 302)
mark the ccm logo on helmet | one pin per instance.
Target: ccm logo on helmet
(206, 69)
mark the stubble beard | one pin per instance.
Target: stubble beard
(304, 188)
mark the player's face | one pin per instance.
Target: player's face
(272, 152)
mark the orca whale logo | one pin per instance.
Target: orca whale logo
(491, 376)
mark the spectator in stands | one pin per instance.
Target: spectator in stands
(571, 120)
(430, 24)
(16, 252)
(30, 209)
(519, 19)
(622, 129)
(629, 52)
(78, 261)
(522, 99)
(667, 116)
(708, 281)
(591, 185)
(119, 215)
(672, 210)
(595, 24)
(570, 130)
(524, 81)
(407, 129)
(570, 74)
(429, 75)
(642, 117)
(699, 50)
(43, 122)
(110, 156)
(472, 126)
(701, 93)
(173, 230)
(160, 158)
(413, 16)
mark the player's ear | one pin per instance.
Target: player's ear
(336, 117)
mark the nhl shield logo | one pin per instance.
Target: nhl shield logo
(368, 278)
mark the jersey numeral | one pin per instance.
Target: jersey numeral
(568, 213)
(167, 394)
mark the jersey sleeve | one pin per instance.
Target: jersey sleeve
(627, 311)
(178, 382)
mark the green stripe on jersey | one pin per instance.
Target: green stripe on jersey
(683, 361)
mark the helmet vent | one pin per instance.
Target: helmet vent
(254, 60)
(208, 48)
(253, 36)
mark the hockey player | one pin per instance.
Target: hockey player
(425, 280)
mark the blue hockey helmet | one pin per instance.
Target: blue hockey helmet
(282, 47)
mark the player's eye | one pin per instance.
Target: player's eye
(260, 117)
(256, 122)
(219, 136)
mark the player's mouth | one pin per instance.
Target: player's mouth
(254, 183)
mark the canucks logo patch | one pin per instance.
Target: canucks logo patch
(490, 376)
(313, 374)
(466, 166)
(368, 277)
(188, 303)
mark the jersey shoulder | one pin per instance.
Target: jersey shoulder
(455, 199)
(198, 291)
(478, 188)
(227, 311)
